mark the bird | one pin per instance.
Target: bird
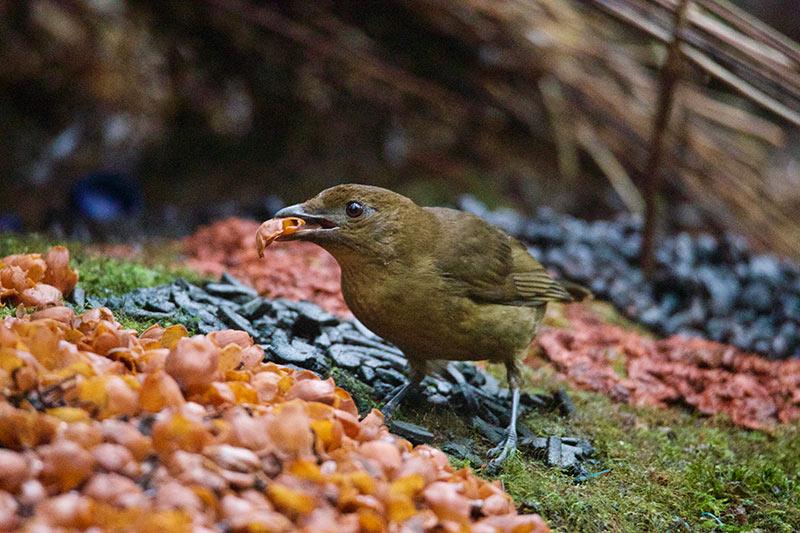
(438, 283)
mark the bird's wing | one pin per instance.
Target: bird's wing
(489, 265)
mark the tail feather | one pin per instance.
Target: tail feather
(578, 293)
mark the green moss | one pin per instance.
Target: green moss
(668, 468)
(360, 391)
(102, 276)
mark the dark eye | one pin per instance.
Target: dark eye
(354, 209)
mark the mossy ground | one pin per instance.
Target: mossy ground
(100, 276)
(670, 469)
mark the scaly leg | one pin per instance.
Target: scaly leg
(417, 371)
(508, 445)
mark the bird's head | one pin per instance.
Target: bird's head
(355, 218)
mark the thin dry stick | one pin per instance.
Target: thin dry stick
(611, 168)
(652, 176)
(558, 113)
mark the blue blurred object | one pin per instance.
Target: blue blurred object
(10, 222)
(103, 197)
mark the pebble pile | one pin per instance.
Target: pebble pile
(303, 336)
(704, 286)
(31, 280)
(104, 428)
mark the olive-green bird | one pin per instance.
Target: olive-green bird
(439, 284)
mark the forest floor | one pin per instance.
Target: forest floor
(656, 469)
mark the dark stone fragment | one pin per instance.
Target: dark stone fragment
(367, 374)
(205, 315)
(684, 248)
(723, 289)
(507, 219)
(182, 299)
(652, 316)
(491, 432)
(573, 451)
(599, 286)
(205, 327)
(344, 357)
(306, 328)
(285, 317)
(677, 322)
(437, 399)
(491, 385)
(766, 267)
(373, 363)
(256, 307)
(395, 361)
(762, 346)
(334, 334)
(565, 405)
(631, 247)
(323, 341)
(224, 290)
(228, 278)
(553, 451)
(414, 433)
(538, 401)
(539, 442)
(489, 406)
(236, 321)
(697, 312)
(444, 387)
(159, 305)
(561, 455)
(320, 366)
(193, 291)
(669, 303)
(463, 449)
(78, 297)
(355, 338)
(96, 302)
(790, 306)
(757, 295)
(311, 311)
(718, 329)
(707, 248)
(390, 375)
(296, 352)
(144, 314)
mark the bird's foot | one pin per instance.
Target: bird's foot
(503, 451)
(389, 408)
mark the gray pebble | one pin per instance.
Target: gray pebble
(414, 433)
(236, 321)
(343, 356)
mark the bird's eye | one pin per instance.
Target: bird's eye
(354, 209)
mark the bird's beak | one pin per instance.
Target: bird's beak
(316, 224)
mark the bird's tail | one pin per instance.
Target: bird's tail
(579, 293)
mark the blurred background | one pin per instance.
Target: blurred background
(122, 119)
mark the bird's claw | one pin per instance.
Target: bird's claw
(503, 451)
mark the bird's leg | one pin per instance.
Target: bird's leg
(416, 373)
(508, 445)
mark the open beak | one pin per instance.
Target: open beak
(315, 224)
